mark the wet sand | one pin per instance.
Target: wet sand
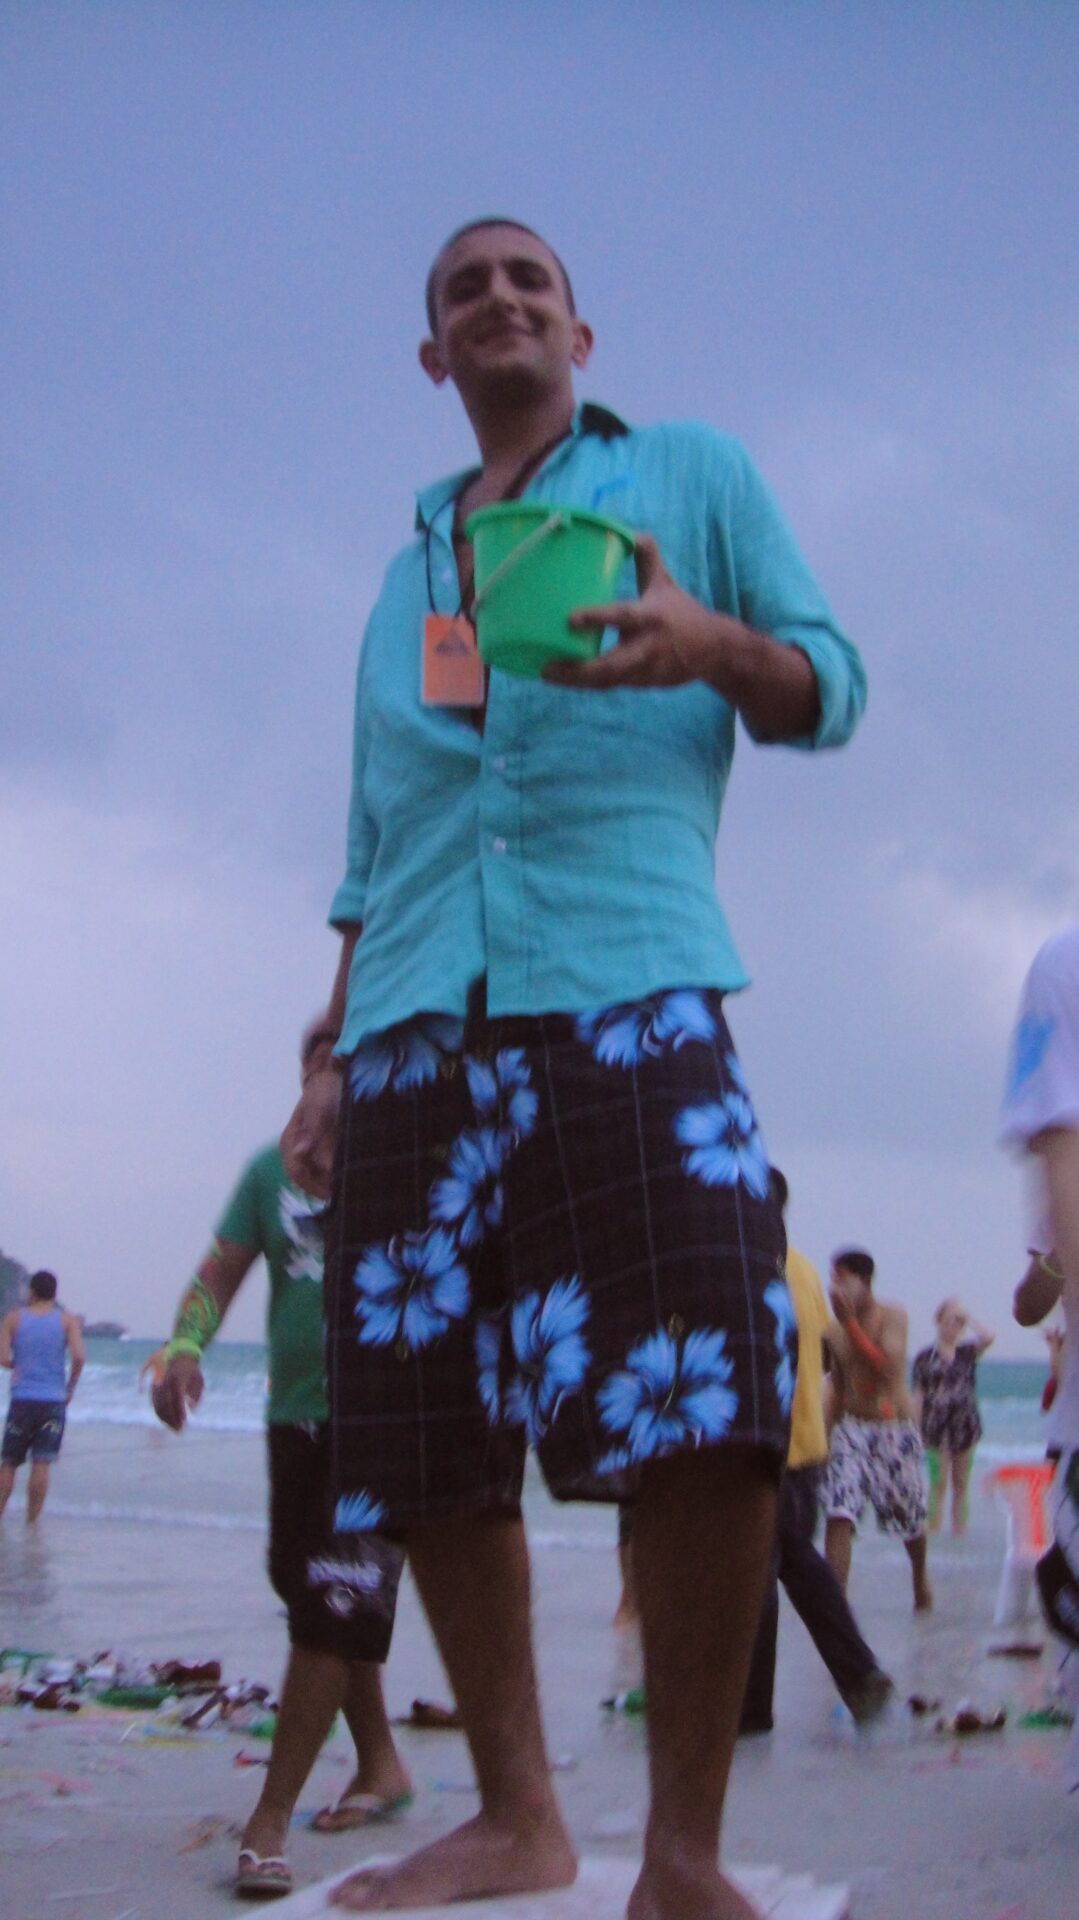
(155, 1546)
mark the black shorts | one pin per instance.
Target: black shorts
(34, 1427)
(334, 1606)
(553, 1231)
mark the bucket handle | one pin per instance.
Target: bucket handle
(524, 547)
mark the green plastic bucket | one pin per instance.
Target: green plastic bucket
(535, 565)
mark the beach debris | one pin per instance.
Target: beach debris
(182, 1694)
(245, 1759)
(1016, 1649)
(919, 1704)
(968, 1719)
(431, 1717)
(1053, 1715)
(631, 1701)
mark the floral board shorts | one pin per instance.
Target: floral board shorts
(879, 1463)
(34, 1427)
(553, 1231)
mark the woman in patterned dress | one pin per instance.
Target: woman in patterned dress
(943, 1377)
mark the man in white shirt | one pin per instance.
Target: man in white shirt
(1041, 1117)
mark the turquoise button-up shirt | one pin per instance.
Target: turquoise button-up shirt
(567, 850)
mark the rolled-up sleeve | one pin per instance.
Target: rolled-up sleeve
(778, 595)
(347, 906)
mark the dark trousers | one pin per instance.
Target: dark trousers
(816, 1596)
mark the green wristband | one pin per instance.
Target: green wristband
(175, 1348)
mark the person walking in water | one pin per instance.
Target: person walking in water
(36, 1342)
(812, 1587)
(876, 1450)
(945, 1396)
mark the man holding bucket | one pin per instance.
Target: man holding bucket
(551, 1221)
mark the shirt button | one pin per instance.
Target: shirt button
(499, 763)
(498, 843)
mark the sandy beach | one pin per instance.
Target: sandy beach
(102, 1818)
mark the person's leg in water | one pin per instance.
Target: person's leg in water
(473, 1576)
(838, 1546)
(814, 1594)
(381, 1777)
(7, 1484)
(37, 1489)
(918, 1554)
(937, 1462)
(704, 1541)
(961, 1466)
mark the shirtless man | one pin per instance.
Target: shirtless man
(876, 1452)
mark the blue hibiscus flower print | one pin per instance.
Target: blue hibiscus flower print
(406, 1056)
(1029, 1048)
(550, 1351)
(468, 1197)
(778, 1301)
(625, 1035)
(488, 1350)
(671, 1391)
(358, 1513)
(502, 1091)
(725, 1144)
(411, 1290)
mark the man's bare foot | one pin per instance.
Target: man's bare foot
(681, 1893)
(471, 1863)
(923, 1596)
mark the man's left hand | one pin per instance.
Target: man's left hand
(666, 638)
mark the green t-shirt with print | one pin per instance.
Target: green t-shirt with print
(268, 1215)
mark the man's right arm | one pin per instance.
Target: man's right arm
(200, 1313)
(7, 1335)
(307, 1144)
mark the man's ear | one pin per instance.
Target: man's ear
(583, 342)
(432, 362)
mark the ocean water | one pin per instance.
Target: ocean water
(236, 1377)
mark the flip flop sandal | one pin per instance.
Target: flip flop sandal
(359, 1810)
(260, 1877)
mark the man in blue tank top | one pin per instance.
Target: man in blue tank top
(36, 1342)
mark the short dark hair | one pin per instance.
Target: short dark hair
(855, 1260)
(43, 1285)
(781, 1193)
(475, 226)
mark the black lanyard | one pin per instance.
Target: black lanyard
(516, 487)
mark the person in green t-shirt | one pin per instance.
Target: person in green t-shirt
(340, 1612)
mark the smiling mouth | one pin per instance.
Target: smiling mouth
(496, 336)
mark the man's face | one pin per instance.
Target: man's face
(849, 1291)
(503, 321)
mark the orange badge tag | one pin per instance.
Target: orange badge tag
(452, 668)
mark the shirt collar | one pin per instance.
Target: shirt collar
(588, 418)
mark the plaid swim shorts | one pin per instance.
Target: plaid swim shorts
(553, 1231)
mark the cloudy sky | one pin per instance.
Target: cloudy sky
(845, 232)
